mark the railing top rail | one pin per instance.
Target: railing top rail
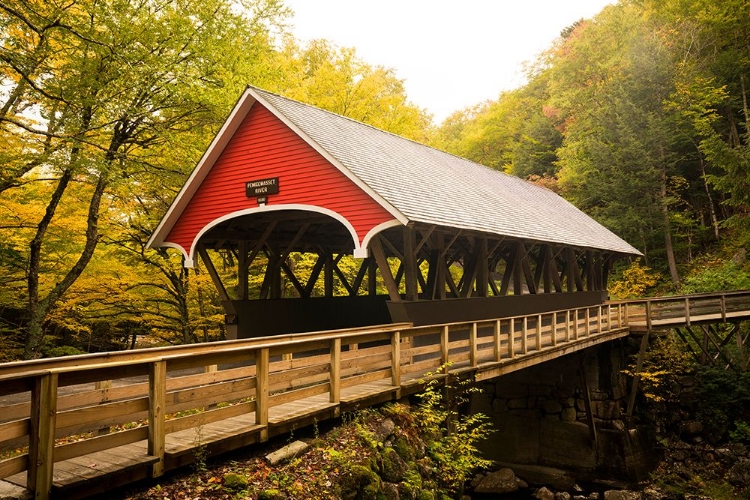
(133, 356)
(675, 298)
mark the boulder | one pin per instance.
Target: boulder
(544, 494)
(739, 474)
(621, 495)
(498, 482)
(384, 429)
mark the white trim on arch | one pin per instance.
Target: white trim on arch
(375, 231)
(270, 208)
(188, 260)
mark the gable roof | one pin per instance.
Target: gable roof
(417, 183)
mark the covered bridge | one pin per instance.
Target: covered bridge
(425, 236)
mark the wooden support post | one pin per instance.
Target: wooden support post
(336, 370)
(261, 390)
(157, 414)
(524, 333)
(445, 347)
(483, 269)
(518, 256)
(587, 329)
(396, 359)
(587, 402)
(473, 345)
(385, 271)
(223, 295)
(410, 264)
(372, 277)
(102, 385)
(497, 328)
(567, 325)
(599, 320)
(723, 308)
(575, 324)
(687, 311)
(648, 315)
(242, 267)
(42, 435)
(328, 275)
(512, 338)
(636, 377)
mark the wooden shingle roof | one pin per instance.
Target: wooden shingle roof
(425, 185)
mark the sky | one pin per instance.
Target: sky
(451, 54)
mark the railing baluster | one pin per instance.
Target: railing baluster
(567, 325)
(512, 338)
(524, 332)
(473, 344)
(587, 327)
(553, 318)
(157, 402)
(723, 308)
(599, 322)
(687, 311)
(42, 435)
(336, 370)
(445, 347)
(396, 358)
(496, 337)
(648, 315)
(539, 332)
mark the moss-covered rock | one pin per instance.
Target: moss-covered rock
(272, 494)
(359, 482)
(425, 495)
(404, 449)
(393, 468)
(234, 481)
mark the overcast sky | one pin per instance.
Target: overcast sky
(451, 53)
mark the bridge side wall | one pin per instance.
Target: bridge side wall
(540, 417)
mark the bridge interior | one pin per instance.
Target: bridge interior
(292, 271)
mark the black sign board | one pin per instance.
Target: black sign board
(262, 187)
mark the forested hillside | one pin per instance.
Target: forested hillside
(638, 116)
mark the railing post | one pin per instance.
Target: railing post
(445, 348)
(157, 402)
(396, 358)
(687, 311)
(524, 332)
(539, 332)
(554, 328)
(600, 324)
(648, 315)
(261, 390)
(587, 328)
(723, 308)
(512, 338)
(336, 370)
(42, 435)
(575, 324)
(496, 336)
(567, 325)
(473, 345)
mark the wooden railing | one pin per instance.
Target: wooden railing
(648, 313)
(146, 402)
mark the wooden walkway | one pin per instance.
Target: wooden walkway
(76, 426)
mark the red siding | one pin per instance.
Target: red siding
(263, 147)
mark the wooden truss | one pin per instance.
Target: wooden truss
(410, 263)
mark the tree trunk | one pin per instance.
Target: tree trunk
(711, 208)
(668, 232)
(38, 309)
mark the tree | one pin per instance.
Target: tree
(96, 88)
